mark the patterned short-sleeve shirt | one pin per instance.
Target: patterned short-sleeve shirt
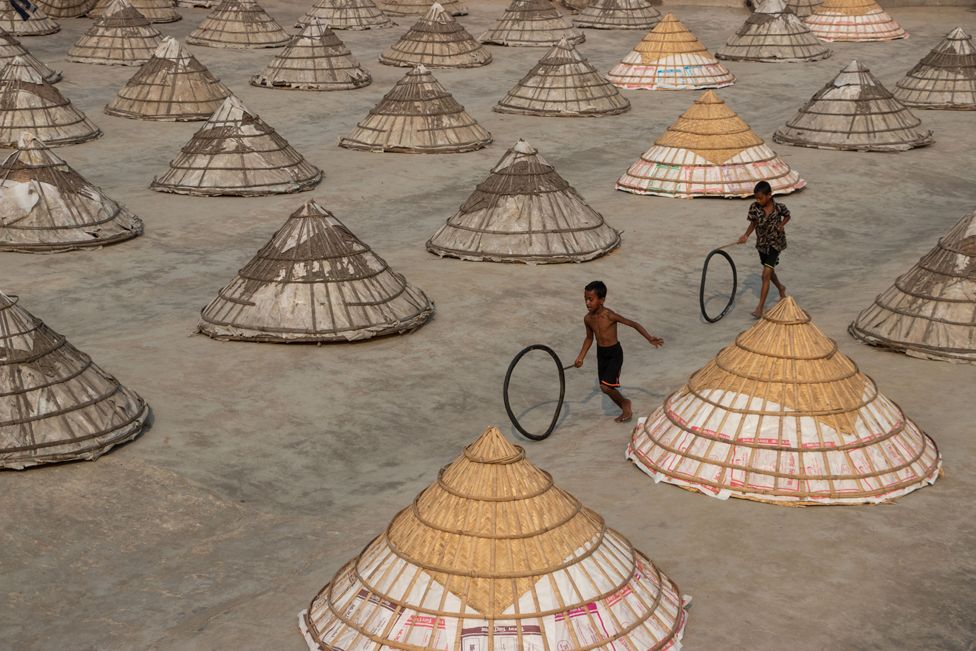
(768, 234)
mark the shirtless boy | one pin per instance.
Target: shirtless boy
(601, 321)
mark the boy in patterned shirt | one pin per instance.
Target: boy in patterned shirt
(769, 219)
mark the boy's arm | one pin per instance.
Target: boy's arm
(752, 227)
(657, 342)
(786, 218)
(586, 345)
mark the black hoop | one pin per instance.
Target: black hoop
(701, 291)
(559, 403)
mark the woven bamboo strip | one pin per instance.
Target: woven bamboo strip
(37, 23)
(65, 8)
(670, 57)
(57, 404)
(315, 282)
(803, 8)
(782, 416)
(171, 86)
(46, 206)
(945, 78)
(708, 152)
(524, 211)
(239, 24)
(773, 34)
(237, 154)
(28, 104)
(563, 84)
(494, 556)
(531, 23)
(346, 14)
(120, 37)
(420, 7)
(618, 14)
(436, 40)
(930, 312)
(854, 112)
(155, 11)
(853, 20)
(205, 4)
(11, 48)
(418, 116)
(316, 59)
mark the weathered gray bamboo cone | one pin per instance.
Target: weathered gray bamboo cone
(171, 86)
(120, 37)
(239, 24)
(563, 84)
(854, 112)
(436, 40)
(29, 104)
(237, 154)
(531, 23)
(418, 116)
(316, 59)
(315, 282)
(57, 404)
(930, 312)
(346, 14)
(46, 206)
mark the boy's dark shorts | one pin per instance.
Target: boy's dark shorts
(609, 361)
(769, 258)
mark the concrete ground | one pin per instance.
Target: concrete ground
(269, 466)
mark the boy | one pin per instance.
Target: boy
(602, 322)
(769, 219)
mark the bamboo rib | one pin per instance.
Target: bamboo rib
(315, 282)
(930, 312)
(494, 556)
(57, 404)
(782, 416)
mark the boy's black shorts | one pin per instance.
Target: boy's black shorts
(769, 258)
(609, 361)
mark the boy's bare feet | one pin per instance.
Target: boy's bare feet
(782, 291)
(626, 413)
(757, 313)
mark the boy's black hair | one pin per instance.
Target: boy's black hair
(763, 187)
(599, 287)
